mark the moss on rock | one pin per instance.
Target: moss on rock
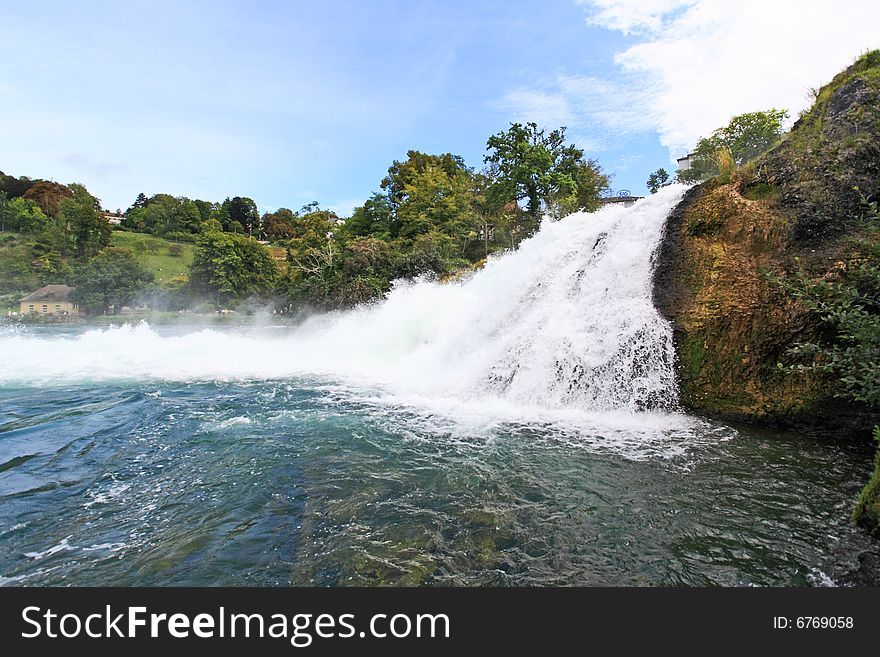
(793, 209)
(867, 510)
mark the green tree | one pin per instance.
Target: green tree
(163, 214)
(311, 213)
(79, 228)
(83, 196)
(229, 266)
(375, 218)
(532, 165)
(437, 199)
(401, 174)
(206, 208)
(744, 138)
(140, 202)
(425, 194)
(279, 225)
(17, 270)
(21, 215)
(657, 180)
(113, 277)
(243, 211)
(590, 184)
(187, 216)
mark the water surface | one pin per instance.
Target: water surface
(311, 481)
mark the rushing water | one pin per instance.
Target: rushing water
(519, 427)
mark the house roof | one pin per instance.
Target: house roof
(49, 293)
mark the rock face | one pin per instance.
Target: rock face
(795, 208)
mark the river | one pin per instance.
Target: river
(518, 427)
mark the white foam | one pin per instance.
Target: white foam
(63, 546)
(565, 323)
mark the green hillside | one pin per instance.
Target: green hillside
(164, 258)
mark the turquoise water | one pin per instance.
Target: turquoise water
(318, 481)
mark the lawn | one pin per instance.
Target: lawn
(164, 258)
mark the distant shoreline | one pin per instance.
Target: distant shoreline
(156, 318)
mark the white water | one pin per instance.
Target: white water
(564, 323)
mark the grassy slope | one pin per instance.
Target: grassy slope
(154, 253)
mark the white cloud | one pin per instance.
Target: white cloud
(546, 108)
(632, 16)
(625, 162)
(98, 167)
(699, 62)
(582, 103)
(696, 63)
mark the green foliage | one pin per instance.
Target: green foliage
(375, 218)
(21, 215)
(79, 229)
(744, 138)
(112, 278)
(231, 267)
(334, 274)
(433, 217)
(18, 272)
(438, 198)
(140, 202)
(590, 184)
(155, 254)
(846, 306)
(401, 175)
(279, 225)
(243, 211)
(867, 509)
(164, 215)
(760, 191)
(657, 180)
(538, 167)
(725, 163)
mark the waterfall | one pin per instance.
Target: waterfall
(566, 321)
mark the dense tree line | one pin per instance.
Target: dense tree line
(50, 230)
(433, 215)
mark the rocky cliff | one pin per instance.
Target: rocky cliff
(799, 207)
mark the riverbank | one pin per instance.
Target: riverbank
(158, 318)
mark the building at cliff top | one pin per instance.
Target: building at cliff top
(623, 198)
(684, 163)
(49, 300)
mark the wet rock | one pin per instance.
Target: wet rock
(795, 208)
(867, 573)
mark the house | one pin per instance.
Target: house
(112, 218)
(684, 163)
(49, 300)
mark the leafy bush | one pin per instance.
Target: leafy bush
(741, 140)
(846, 305)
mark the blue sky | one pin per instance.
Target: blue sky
(290, 102)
